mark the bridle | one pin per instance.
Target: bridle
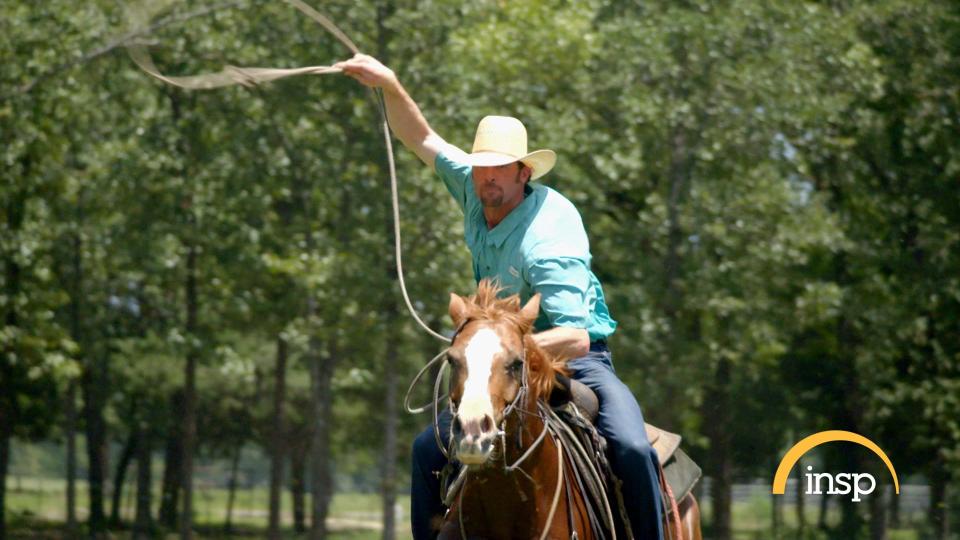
(518, 405)
(519, 400)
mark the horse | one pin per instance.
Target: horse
(517, 479)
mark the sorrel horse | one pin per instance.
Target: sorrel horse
(517, 482)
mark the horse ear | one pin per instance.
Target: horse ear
(458, 309)
(530, 310)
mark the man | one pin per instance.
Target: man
(530, 239)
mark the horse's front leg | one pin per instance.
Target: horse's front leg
(451, 526)
(449, 531)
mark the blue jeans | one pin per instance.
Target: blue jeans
(620, 421)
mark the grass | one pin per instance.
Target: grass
(752, 521)
(44, 530)
(36, 510)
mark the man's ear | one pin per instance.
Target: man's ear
(458, 309)
(525, 173)
(530, 310)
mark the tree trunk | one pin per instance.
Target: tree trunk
(173, 464)
(321, 375)
(70, 410)
(189, 396)
(298, 476)
(681, 163)
(71, 433)
(391, 412)
(878, 506)
(822, 518)
(776, 514)
(392, 332)
(721, 451)
(801, 499)
(143, 524)
(16, 208)
(232, 490)
(126, 456)
(894, 505)
(94, 383)
(321, 398)
(5, 435)
(937, 514)
(277, 444)
(850, 519)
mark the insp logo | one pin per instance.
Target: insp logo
(839, 484)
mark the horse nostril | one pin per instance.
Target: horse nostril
(486, 424)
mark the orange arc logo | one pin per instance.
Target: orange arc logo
(807, 444)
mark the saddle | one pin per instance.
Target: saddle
(577, 405)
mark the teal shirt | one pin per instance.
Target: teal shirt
(540, 247)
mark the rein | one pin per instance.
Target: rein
(547, 418)
(435, 405)
(553, 505)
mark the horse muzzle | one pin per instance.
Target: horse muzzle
(474, 438)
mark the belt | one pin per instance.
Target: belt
(599, 345)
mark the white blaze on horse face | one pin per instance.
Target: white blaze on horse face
(480, 352)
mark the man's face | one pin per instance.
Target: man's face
(500, 186)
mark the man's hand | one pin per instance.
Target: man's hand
(369, 71)
(564, 342)
(403, 115)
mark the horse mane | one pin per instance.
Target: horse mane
(485, 304)
(542, 367)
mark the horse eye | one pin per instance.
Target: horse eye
(516, 365)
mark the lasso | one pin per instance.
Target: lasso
(249, 76)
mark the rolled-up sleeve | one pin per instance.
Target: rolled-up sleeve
(564, 285)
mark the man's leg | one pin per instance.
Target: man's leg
(633, 459)
(428, 460)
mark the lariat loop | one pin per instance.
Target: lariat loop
(250, 76)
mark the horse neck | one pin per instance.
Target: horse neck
(541, 369)
(506, 504)
(522, 429)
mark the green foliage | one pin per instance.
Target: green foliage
(770, 189)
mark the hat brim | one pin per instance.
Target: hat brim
(539, 161)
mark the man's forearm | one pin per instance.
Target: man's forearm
(406, 120)
(403, 114)
(564, 342)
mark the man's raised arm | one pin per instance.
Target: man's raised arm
(403, 114)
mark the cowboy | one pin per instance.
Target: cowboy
(531, 240)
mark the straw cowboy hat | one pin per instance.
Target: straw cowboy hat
(503, 139)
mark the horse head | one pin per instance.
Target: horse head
(495, 368)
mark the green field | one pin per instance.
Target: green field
(36, 510)
(752, 521)
(36, 507)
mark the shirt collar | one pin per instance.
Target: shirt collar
(499, 234)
